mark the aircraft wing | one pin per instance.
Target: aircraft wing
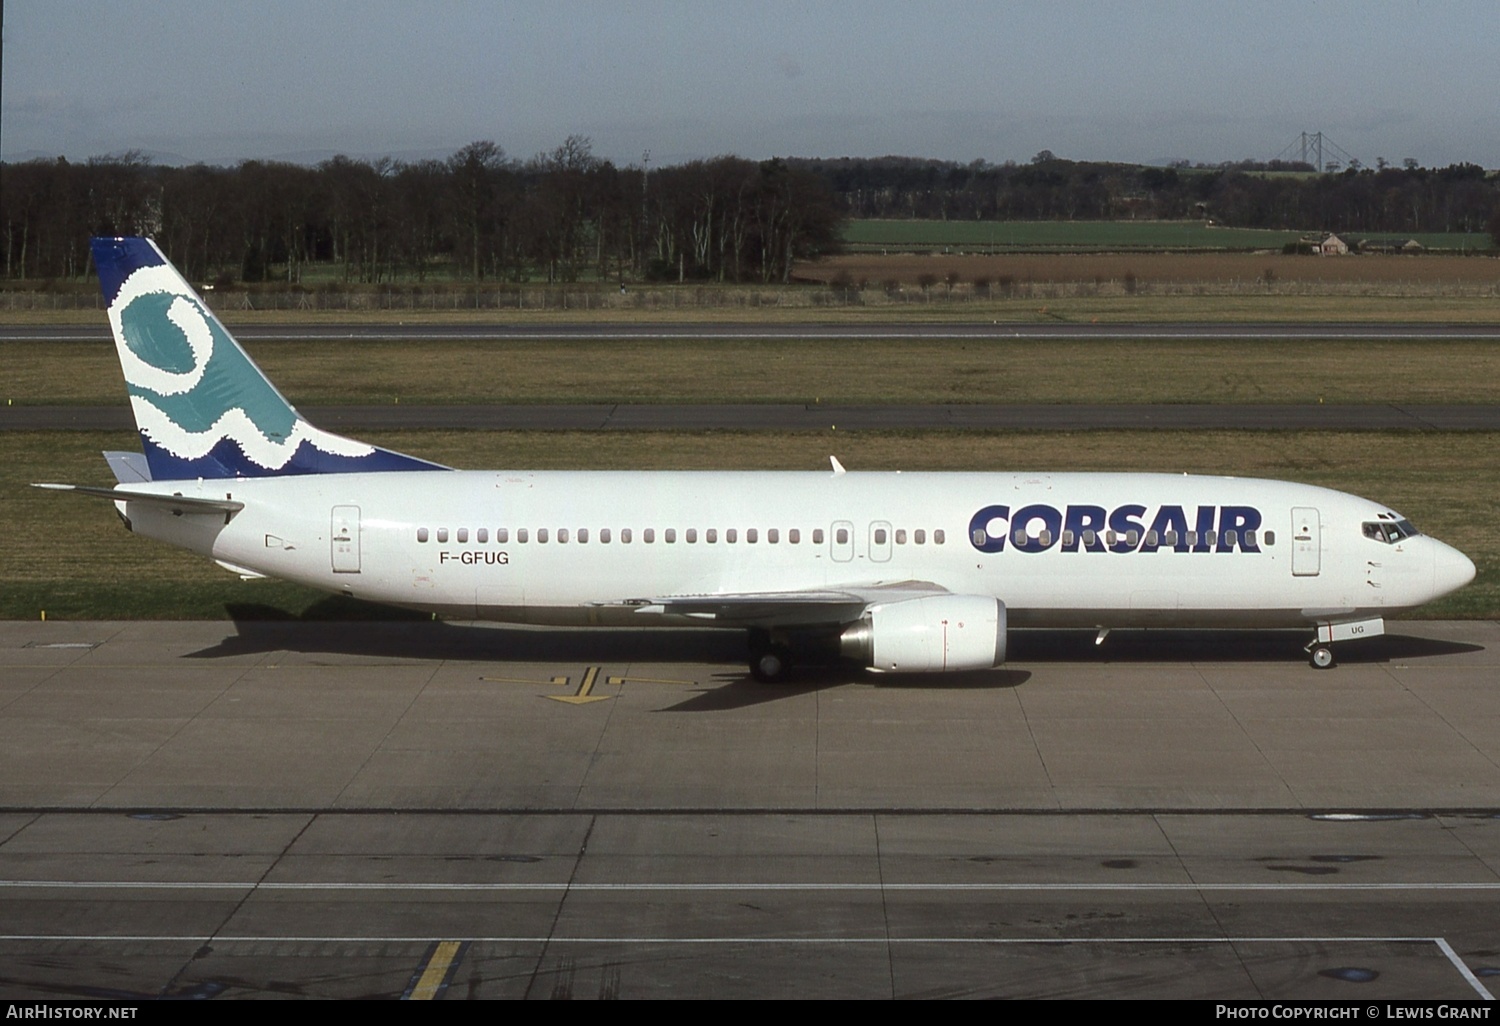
(788, 608)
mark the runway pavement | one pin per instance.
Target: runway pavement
(372, 810)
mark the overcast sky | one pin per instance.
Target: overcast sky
(1132, 81)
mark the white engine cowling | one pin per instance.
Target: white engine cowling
(929, 635)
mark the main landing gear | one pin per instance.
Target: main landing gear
(770, 661)
(772, 665)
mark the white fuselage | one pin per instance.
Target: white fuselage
(560, 547)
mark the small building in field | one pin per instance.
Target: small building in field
(1332, 245)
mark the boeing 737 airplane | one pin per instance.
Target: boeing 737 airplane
(916, 572)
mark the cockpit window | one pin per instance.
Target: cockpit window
(1389, 531)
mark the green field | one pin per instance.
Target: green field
(1113, 236)
(982, 236)
(855, 370)
(70, 557)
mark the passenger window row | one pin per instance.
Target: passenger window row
(881, 534)
(669, 535)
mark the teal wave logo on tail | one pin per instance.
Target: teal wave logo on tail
(202, 406)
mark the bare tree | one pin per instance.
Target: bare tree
(478, 173)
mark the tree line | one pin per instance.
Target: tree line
(477, 216)
(1247, 194)
(568, 215)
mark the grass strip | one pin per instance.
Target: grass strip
(855, 370)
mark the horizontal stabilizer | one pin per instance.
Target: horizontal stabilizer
(179, 504)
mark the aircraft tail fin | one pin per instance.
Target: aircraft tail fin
(202, 406)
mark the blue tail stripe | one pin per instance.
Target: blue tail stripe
(227, 460)
(117, 259)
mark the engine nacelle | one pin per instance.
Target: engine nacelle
(929, 635)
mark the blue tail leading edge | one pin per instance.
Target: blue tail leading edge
(202, 406)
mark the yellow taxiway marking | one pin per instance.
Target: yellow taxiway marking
(589, 676)
(434, 976)
(562, 681)
(585, 694)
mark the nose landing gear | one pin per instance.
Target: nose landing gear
(1320, 648)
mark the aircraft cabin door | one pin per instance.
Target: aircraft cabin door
(344, 532)
(880, 542)
(841, 541)
(1307, 543)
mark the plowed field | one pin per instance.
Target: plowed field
(1149, 269)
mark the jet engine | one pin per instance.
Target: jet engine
(929, 635)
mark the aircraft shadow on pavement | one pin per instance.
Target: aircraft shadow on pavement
(256, 631)
(730, 691)
(264, 629)
(1215, 646)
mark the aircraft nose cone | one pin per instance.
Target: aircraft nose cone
(1451, 570)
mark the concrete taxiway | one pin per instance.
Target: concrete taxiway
(433, 810)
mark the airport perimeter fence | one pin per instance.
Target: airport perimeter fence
(415, 299)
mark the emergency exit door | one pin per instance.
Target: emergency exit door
(344, 535)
